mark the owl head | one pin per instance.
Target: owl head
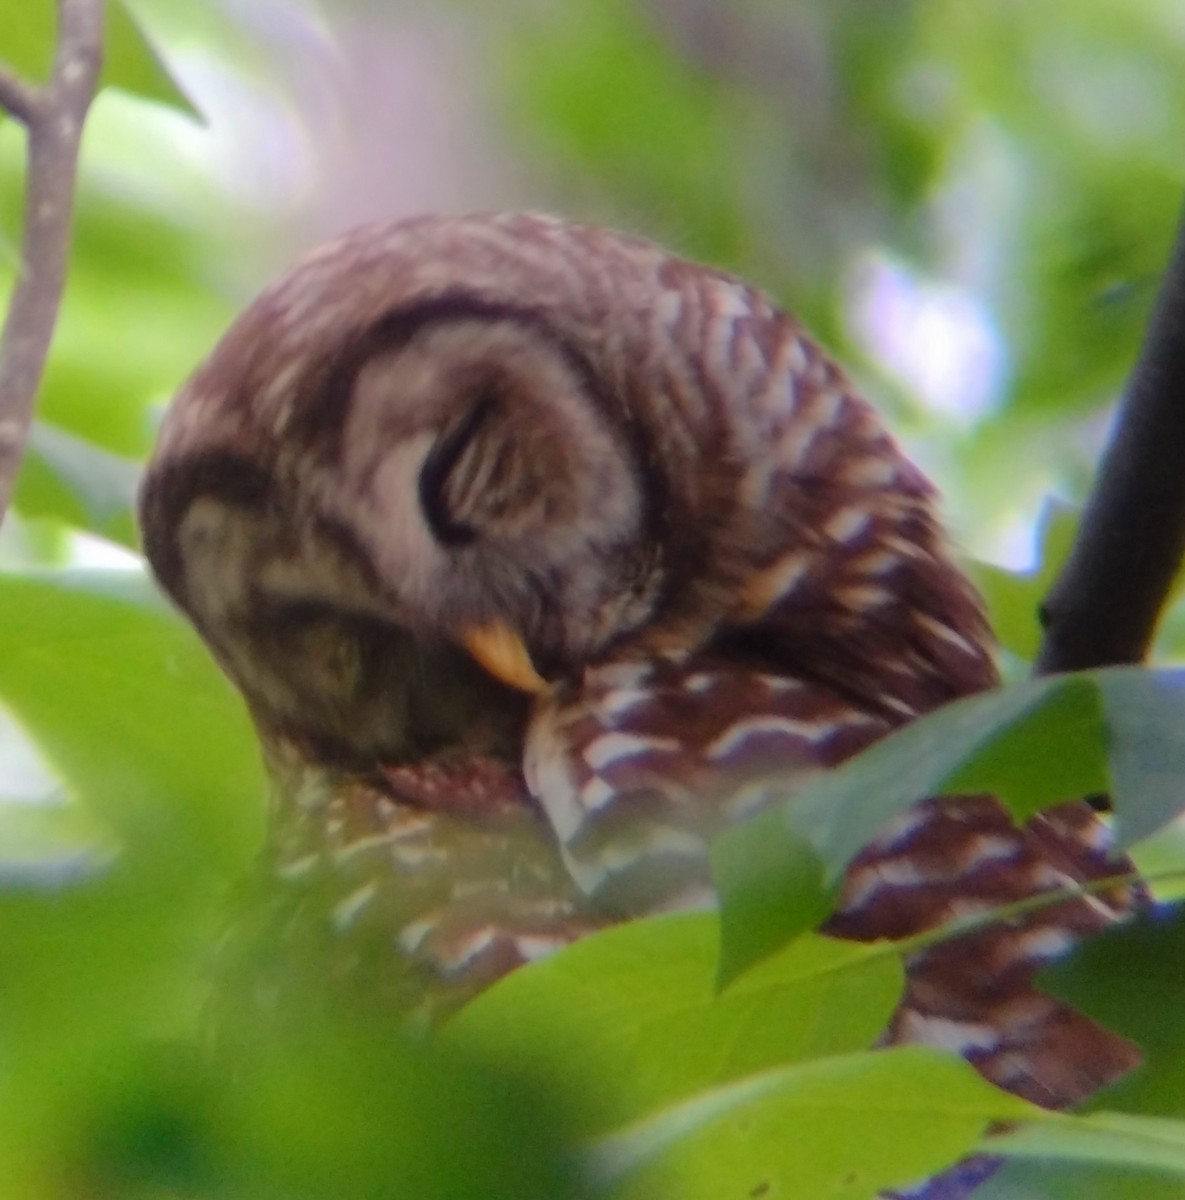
(448, 465)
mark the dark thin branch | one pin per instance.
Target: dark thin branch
(53, 115)
(1105, 604)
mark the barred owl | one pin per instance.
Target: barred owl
(536, 545)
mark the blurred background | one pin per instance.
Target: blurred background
(969, 204)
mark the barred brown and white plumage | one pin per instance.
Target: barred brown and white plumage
(539, 544)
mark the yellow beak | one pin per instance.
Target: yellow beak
(501, 651)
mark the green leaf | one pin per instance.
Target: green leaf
(131, 63)
(317, 1108)
(1055, 752)
(127, 706)
(64, 477)
(1161, 860)
(962, 747)
(341, 1110)
(845, 1127)
(1033, 1179)
(50, 844)
(632, 1017)
(128, 710)
(1014, 597)
(767, 880)
(28, 40)
(1132, 980)
(1146, 752)
(1116, 1139)
(986, 743)
(1033, 744)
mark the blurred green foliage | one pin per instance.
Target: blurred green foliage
(129, 60)
(882, 168)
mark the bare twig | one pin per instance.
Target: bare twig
(1104, 605)
(53, 114)
(17, 97)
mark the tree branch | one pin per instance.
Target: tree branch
(18, 98)
(1104, 606)
(53, 115)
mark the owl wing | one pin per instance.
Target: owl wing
(448, 864)
(651, 760)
